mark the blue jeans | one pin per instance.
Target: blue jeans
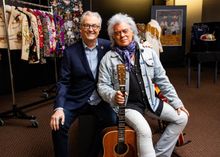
(104, 115)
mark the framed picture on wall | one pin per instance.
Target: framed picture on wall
(172, 20)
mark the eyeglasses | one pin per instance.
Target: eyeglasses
(124, 31)
(88, 26)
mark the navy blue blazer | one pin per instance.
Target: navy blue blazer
(76, 82)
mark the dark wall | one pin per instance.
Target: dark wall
(139, 10)
(210, 11)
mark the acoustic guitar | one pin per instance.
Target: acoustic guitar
(120, 141)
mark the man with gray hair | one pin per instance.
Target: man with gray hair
(76, 88)
(143, 71)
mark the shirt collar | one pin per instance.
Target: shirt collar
(86, 47)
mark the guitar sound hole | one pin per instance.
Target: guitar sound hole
(121, 148)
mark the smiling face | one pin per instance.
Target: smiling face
(123, 35)
(90, 29)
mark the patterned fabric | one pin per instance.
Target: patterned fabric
(60, 45)
(71, 12)
(126, 53)
(33, 35)
(14, 20)
(18, 31)
(46, 25)
(49, 33)
(26, 40)
(39, 42)
(39, 34)
(52, 35)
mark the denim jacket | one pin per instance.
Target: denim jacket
(152, 73)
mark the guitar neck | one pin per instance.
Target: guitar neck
(122, 88)
(121, 119)
(121, 124)
(121, 114)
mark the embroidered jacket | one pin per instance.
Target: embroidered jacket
(18, 31)
(33, 57)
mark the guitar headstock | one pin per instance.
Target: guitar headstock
(121, 74)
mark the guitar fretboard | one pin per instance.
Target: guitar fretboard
(121, 124)
(121, 113)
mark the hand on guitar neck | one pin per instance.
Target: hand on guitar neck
(120, 97)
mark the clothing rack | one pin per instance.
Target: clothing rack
(16, 112)
(33, 4)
